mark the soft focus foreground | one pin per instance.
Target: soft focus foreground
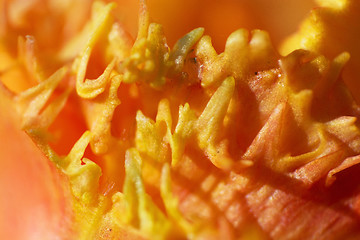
(152, 142)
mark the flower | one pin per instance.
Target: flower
(106, 136)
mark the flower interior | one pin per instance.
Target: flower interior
(155, 142)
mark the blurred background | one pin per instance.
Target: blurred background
(219, 18)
